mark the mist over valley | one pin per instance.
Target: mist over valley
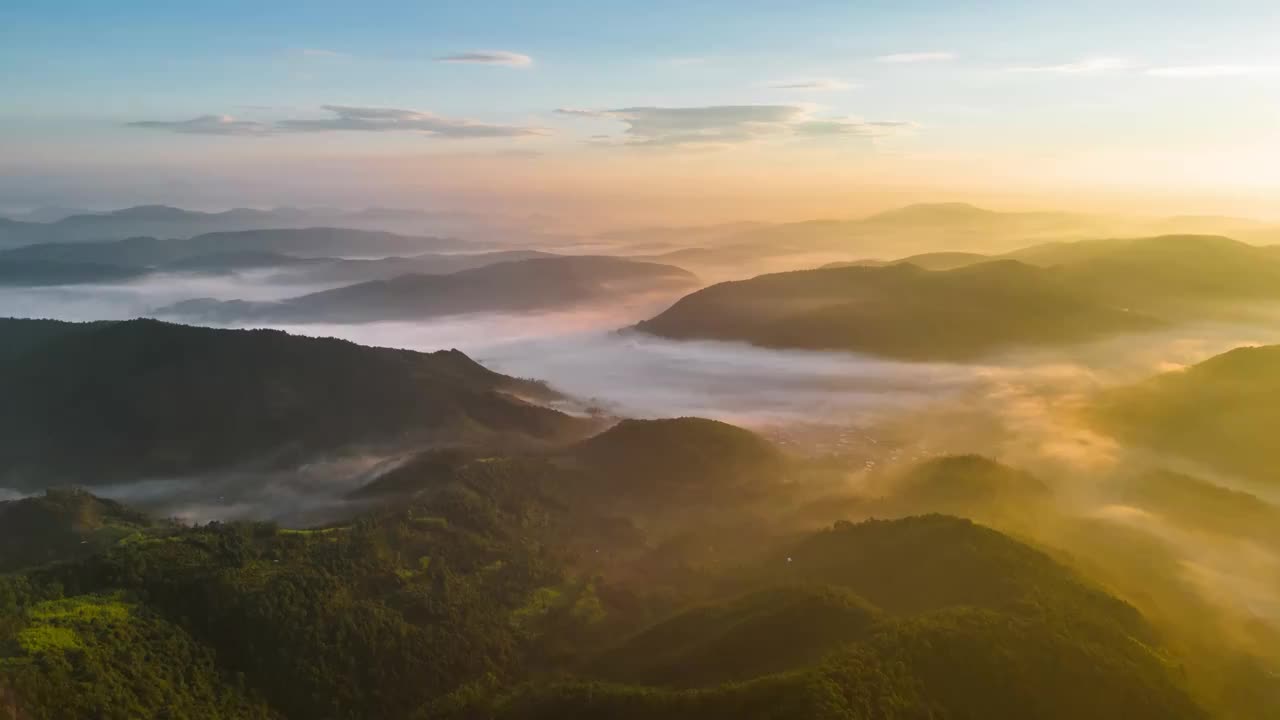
(710, 361)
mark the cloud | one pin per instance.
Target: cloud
(815, 84)
(580, 112)
(1213, 71)
(724, 125)
(488, 57)
(915, 57)
(321, 53)
(207, 125)
(348, 118)
(376, 119)
(852, 127)
(1080, 67)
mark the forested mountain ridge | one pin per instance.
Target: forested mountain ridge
(1049, 294)
(93, 403)
(900, 311)
(458, 603)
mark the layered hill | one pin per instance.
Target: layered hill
(1054, 293)
(170, 222)
(107, 401)
(150, 251)
(520, 286)
(1222, 412)
(898, 311)
(30, 273)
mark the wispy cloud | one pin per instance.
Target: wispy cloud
(376, 119)
(852, 127)
(488, 57)
(347, 118)
(1099, 65)
(1213, 71)
(207, 125)
(916, 57)
(321, 53)
(726, 125)
(1080, 67)
(814, 84)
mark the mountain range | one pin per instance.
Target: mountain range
(60, 226)
(899, 311)
(104, 402)
(1074, 292)
(543, 283)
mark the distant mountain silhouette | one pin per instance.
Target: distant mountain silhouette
(47, 272)
(48, 214)
(337, 270)
(526, 285)
(323, 242)
(232, 261)
(927, 261)
(103, 402)
(169, 222)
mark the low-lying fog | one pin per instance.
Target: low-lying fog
(1011, 406)
(869, 413)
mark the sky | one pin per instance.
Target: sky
(670, 111)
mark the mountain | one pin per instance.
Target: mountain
(233, 261)
(969, 486)
(48, 214)
(28, 273)
(1177, 274)
(111, 401)
(1075, 291)
(719, 642)
(1174, 275)
(898, 311)
(638, 465)
(690, 458)
(170, 222)
(156, 220)
(932, 227)
(930, 646)
(337, 270)
(520, 286)
(298, 256)
(63, 525)
(143, 251)
(1197, 503)
(927, 261)
(22, 335)
(140, 252)
(461, 604)
(1222, 412)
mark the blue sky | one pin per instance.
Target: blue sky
(914, 93)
